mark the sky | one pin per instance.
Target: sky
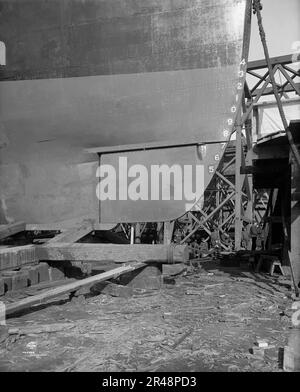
(281, 19)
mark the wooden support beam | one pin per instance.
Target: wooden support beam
(225, 167)
(273, 104)
(245, 180)
(200, 225)
(287, 88)
(249, 161)
(70, 236)
(289, 79)
(228, 182)
(294, 251)
(262, 79)
(168, 232)
(137, 238)
(295, 73)
(208, 217)
(112, 252)
(68, 288)
(247, 91)
(208, 231)
(132, 234)
(17, 257)
(8, 230)
(257, 95)
(260, 64)
(269, 63)
(68, 225)
(238, 186)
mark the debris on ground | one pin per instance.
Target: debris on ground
(206, 320)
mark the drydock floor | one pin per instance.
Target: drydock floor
(206, 319)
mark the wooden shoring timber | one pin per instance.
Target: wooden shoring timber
(290, 79)
(16, 257)
(208, 231)
(117, 253)
(294, 149)
(208, 217)
(257, 96)
(294, 248)
(259, 64)
(168, 232)
(238, 185)
(11, 229)
(68, 288)
(70, 236)
(285, 88)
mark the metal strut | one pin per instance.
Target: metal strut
(257, 8)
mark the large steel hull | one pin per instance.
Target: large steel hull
(94, 73)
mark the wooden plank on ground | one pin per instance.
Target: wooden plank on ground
(117, 253)
(68, 288)
(8, 230)
(16, 257)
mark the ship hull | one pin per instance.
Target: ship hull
(104, 75)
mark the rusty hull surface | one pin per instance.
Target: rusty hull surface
(90, 73)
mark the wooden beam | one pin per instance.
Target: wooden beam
(294, 72)
(71, 236)
(14, 228)
(68, 225)
(208, 217)
(289, 79)
(261, 78)
(294, 251)
(260, 64)
(17, 257)
(112, 252)
(68, 288)
(238, 186)
(286, 102)
(270, 91)
(168, 232)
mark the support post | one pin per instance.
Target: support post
(137, 239)
(294, 251)
(238, 185)
(249, 162)
(257, 10)
(131, 234)
(168, 232)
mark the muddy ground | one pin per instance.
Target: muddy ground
(205, 319)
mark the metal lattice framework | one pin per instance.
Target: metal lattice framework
(230, 198)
